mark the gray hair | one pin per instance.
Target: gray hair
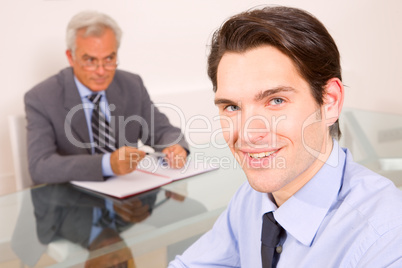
(95, 24)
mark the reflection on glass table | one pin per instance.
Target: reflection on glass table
(375, 140)
(75, 225)
(94, 223)
(66, 226)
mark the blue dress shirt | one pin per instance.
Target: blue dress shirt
(88, 108)
(96, 215)
(345, 216)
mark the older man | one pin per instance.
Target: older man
(84, 123)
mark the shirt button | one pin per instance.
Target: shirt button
(279, 249)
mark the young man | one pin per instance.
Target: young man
(277, 77)
(85, 122)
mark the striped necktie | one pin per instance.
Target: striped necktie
(103, 137)
(270, 237)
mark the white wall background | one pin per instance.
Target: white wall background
(166, 43)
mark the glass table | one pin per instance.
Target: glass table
(65, 226)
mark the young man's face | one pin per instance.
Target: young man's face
(94, 50)
(270, 119)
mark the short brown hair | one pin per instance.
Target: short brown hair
(296, 33)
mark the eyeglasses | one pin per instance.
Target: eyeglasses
(92, 64)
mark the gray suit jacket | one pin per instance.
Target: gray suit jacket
(58, 139)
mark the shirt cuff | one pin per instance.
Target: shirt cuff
(106, 167)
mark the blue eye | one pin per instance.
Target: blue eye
(231, 108)
(277, 101)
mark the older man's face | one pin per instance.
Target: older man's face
(94, 50)
(269, 118)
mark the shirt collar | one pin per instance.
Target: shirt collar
(83, 90)
(267, 204)
(302, 214)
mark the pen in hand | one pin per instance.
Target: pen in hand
(157, 154)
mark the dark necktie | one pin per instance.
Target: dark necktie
(111, 220)
(105, 219)
(103, 137)
(270, 236)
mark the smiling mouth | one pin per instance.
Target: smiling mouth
(261, 155)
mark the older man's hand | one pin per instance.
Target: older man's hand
(176, 156)
(125, 160)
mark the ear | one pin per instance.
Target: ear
(70, 57)
(333, 100)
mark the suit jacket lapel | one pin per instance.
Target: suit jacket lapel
(73, 106)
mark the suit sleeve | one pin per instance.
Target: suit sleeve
(46, 164)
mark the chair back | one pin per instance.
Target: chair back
(18, 138)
